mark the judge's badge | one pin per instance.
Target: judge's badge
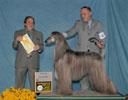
(102, 35)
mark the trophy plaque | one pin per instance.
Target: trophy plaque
(43, 82)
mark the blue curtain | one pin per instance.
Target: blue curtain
(60, 15)
(117, 54)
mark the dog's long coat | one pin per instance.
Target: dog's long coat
(73, 66)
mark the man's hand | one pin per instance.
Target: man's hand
(100, 44)
(37, 47)
(19, 38)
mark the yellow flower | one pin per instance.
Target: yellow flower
(18, 94)
(0, 98)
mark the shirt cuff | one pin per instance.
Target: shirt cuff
(65, 35)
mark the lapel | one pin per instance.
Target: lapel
(92, 24)
(92, 29)
(33, 35)
(23, 32)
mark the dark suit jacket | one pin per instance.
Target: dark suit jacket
(21, 57)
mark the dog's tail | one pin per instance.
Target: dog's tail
(99, 80)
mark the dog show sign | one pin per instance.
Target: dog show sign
(43, 82)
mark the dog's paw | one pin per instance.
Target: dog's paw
(66, 93)
(57, 91)
(62, 93)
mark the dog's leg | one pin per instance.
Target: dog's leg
(111, 87)
(99, 80)
(66, 80)
(58, 89)
(58, 82)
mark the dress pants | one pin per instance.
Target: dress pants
(84, 83)
(20, 76)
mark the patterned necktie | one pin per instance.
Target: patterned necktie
(29, 34)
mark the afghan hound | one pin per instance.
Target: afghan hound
(73, 66)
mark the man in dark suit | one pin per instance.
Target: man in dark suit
(27, 62)
(86, 29)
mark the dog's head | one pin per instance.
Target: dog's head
(55, 36)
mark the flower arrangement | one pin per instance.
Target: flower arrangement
(18, 94)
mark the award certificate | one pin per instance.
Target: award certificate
(27, 43)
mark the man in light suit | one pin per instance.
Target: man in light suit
(86, 29)
(27, 62)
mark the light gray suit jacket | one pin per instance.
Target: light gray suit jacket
(84, 33)
(21, 57)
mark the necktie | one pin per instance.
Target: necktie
(29, 34)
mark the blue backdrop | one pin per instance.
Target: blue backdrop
(60, 15)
